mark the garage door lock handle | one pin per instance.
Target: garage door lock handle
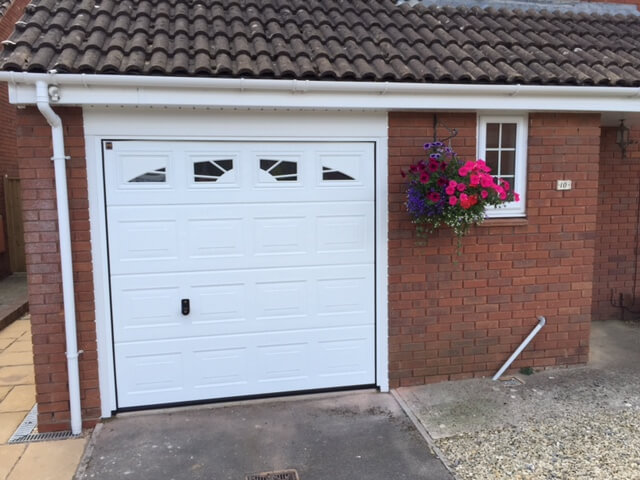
(185, 306)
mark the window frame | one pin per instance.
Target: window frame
(512, 209)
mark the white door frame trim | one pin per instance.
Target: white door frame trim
(96, 131)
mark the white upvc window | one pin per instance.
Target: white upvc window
(502, 143)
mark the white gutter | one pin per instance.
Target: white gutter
(199, 91)
(309, 86)
(66, 265)
(541, 322)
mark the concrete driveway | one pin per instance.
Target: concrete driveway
(358, 435)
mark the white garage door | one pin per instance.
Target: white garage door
(239, 269)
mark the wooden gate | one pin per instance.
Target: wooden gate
(15, 228)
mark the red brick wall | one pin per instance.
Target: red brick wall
(455, 317)
(618, 226)
(8, 163)
(43, 267)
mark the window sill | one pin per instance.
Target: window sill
(504, 222)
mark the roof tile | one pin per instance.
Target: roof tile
(372, 40)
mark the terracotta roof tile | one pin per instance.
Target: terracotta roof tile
(357, 40)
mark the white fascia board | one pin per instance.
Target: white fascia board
(100, 90)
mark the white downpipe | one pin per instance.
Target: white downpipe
(522, 346)
(66, 263)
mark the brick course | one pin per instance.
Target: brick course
(43, 267)
(454, 317)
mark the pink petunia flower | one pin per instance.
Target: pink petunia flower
(486, 181)
(450, 190)
(516, 196)
(461, 187)
(453, 201)
(484, 194)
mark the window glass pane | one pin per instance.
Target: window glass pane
(335, 175)
(284, 168)
(280, 170)
(208, 169)
(156, 176)
(508, 135)
(212, 170)
(508, 163)
(492, 162)
(267, 164)
(331, 174)
(493, 134)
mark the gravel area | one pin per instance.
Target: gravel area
(580, 445)
(580, 423)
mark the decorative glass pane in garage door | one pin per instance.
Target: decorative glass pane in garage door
(275, 260)
(213, 170)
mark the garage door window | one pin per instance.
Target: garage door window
(212, 170)
(280, 170)
(155, 176)
(333, 174)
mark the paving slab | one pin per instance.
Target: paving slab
(8, 359)
(49, 460)
(21, 399)
(16, 329)
(9, 456)
(18, 346)
(5, 342)
(4, 391)
(8, 424)
(17, 375)
(364, 435)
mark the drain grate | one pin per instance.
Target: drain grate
(27, 426)
(279, 475)
(25, 432)
(43, 437)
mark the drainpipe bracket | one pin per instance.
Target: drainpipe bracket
(66, 157)
(73, 356)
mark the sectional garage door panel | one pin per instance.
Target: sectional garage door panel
(212, 237)
(245, 365)
(238, 302)
(273, 246)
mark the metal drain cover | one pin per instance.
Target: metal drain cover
(25, 433)
(279, 475)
